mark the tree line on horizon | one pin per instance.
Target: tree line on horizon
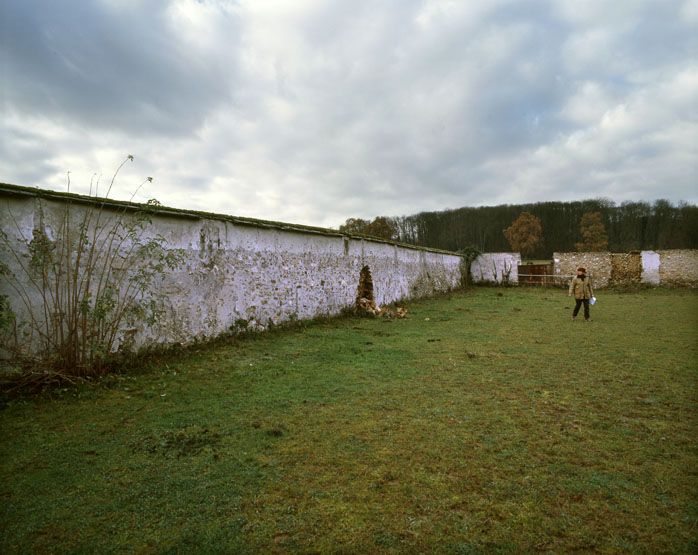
(598, 224)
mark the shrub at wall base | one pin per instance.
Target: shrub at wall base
(84, 280)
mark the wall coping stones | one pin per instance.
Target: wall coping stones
(7, 189)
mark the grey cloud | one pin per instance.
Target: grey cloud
(112, 67)
(321, 112)
(24, 159)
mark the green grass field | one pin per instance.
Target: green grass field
(487, 421)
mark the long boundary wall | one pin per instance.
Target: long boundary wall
(238, 270)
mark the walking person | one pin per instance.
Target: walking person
(580, 286)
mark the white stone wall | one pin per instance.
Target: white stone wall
(234, 270)
(650, 267)
(496, 267)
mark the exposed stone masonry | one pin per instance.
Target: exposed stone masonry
(664, 267)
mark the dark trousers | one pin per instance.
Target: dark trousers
(579, 304)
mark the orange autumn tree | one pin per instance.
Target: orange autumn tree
(381, 226)
(525, 233)
(593, 231)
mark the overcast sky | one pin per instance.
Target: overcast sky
(313, 111)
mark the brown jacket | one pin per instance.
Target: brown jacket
(581, 288)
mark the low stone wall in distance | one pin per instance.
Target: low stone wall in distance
(678, 267)
(626, 268)
(597, 264)
(664, 267)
